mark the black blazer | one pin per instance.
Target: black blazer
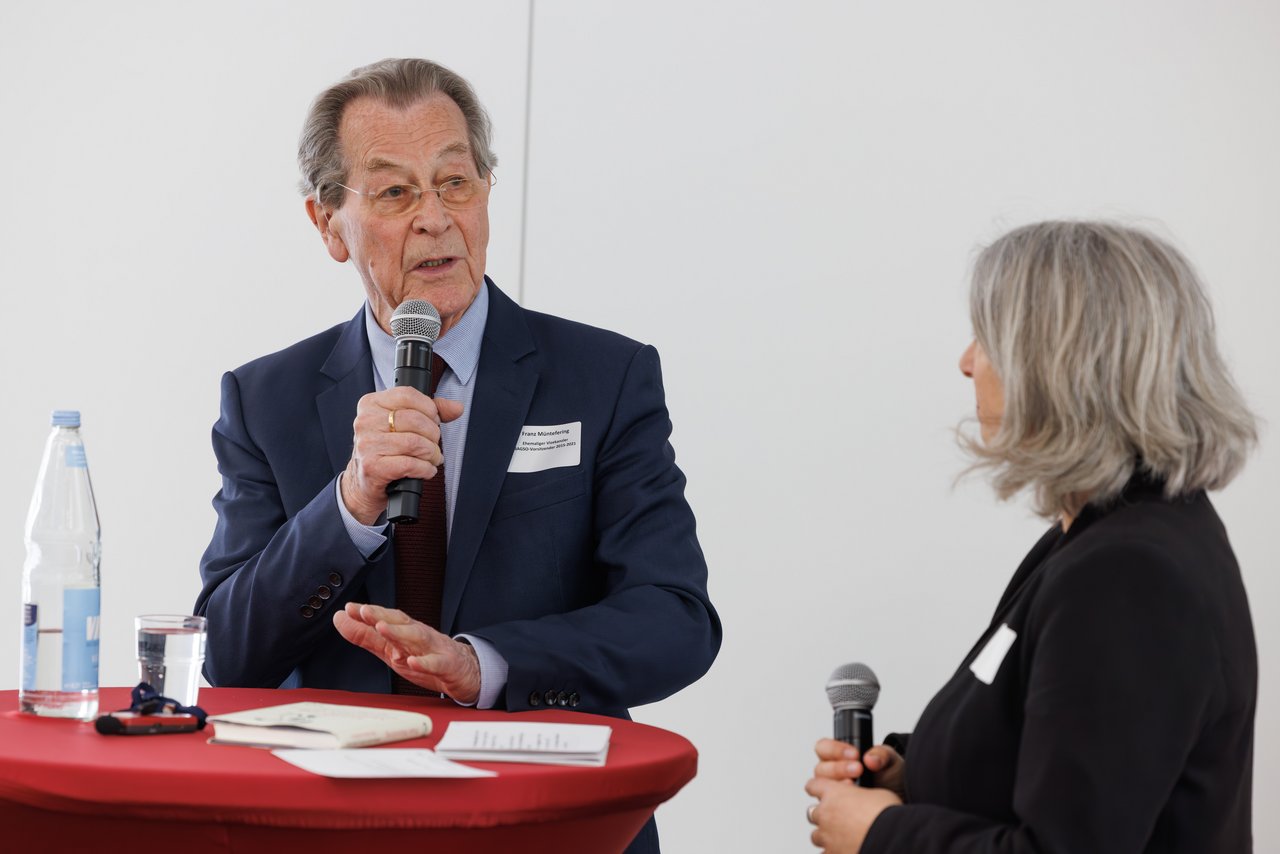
(1121, 717)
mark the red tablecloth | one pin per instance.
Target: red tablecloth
(65, 787)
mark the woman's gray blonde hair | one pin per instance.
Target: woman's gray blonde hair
(398, 83)
(1103, 338)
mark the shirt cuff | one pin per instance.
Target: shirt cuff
(366, 539)
(493, 671)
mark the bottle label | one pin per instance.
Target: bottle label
(80, 638)
(75, 457)
(30, 637)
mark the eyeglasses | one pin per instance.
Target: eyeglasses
(457, 194)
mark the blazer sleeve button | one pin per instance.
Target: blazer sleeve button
(335, 580)
(308, 611)
(562, 699)
(315, 602)
(535, 699)
(574, 699)
(550, 697)
(323, 592)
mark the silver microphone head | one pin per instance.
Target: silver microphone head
(416, 319)
(853, 686)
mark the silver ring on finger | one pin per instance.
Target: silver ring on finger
(808, 813)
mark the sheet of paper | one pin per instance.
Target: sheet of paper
(515, 741)
(382, 763)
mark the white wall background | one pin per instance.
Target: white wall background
(784, 198)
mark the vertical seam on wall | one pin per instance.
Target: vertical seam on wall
(524, 190)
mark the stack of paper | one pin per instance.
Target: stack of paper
(514, 741)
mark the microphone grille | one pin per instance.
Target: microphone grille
(853, 686)
(416, 318)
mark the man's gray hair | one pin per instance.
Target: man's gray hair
(1103, 337)
(399, 83)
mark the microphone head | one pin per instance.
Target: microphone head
(416, 319)
(853, 686)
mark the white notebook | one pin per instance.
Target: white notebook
(325, 726)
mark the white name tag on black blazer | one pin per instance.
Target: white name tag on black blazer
(987, 663)
(547, 447)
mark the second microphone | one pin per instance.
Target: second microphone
(853, 690)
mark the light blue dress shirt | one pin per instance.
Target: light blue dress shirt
(460, 349)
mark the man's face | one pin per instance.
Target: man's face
(429, 252)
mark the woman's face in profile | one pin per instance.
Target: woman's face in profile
(987, 389)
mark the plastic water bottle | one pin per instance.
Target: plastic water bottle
(60, 583)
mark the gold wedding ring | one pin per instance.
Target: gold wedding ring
(391, 420)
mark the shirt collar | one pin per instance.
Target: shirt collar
(459, 347)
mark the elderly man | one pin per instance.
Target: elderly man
(534, 578)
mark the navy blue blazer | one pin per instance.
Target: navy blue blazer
(589, 580)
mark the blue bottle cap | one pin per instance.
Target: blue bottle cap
(66, 418)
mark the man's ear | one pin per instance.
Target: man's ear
(322, 219)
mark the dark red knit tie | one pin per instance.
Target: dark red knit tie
(420, 554)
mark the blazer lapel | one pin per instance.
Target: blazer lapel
(350, 366)
(505, 384)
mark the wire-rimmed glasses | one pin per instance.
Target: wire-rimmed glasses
(457, 193)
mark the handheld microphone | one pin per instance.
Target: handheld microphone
(853, 690)
(416, 325)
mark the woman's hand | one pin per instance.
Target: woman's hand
(840, 761)
(844, 812)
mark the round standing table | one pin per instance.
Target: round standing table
(65, 787)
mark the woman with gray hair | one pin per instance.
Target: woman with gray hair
(1109, 707)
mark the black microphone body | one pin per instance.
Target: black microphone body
(853, 726)
(413, 368)
(853, 690)
(416, 325)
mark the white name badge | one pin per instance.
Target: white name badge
(987, 664)
(550, 447)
